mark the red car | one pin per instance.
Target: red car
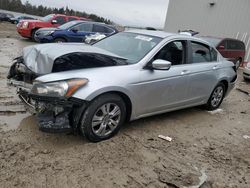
(27, 28)
(232, 49)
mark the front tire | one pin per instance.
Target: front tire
(33, 35)
(103, 118)
(216, 97)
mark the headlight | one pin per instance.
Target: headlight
(49, 32)
(25, 25)
(65, 88)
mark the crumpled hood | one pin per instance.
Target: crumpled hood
(40, 58)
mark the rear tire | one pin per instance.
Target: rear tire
(216, 97)
(103, 117)
(59, 40)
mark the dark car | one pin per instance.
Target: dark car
(28, 28)
(16, 20)
(232, 49)
(74, 31)
(6, 16)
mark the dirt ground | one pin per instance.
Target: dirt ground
(207, 147)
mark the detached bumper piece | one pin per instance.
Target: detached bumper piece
(47, 122)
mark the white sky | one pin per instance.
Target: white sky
(142, 13)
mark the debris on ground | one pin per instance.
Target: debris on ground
(167, 138)
(246, 136)
(217, 111)
(243, 91)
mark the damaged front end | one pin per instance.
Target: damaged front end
(55, 114)
(52, 101)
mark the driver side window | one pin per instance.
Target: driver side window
(172, 52)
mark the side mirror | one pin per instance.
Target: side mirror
(221, 47)
(54, 21)
(74, 30)
(160, 64)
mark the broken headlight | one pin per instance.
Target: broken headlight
(65, 88)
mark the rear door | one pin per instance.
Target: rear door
(203, 67)
(78, 32)
(98, 28)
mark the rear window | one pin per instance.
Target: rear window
(99, 28)
(235, 45)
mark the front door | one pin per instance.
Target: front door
(163, 90)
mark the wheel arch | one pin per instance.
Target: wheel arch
(60, 37)
(225, 83)
(118, 91)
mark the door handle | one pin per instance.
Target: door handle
(185, 72)
(215, 67)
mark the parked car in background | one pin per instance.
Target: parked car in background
(6, 16)
(74, 31)
(27, 28)
(95, 88)
(232, 49)
(246, 72)
(16, 20)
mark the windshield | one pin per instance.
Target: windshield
(213, 41)
(47, 18)
(131, 46)
(68, 25)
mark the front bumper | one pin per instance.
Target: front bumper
(24, 32)
(54, 114)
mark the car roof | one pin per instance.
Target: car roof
(161, 34)
(100, 23)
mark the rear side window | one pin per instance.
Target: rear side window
(99, 28)
(200, 52)
(60, 20)
(86, 27)
(235, 45)
(108, 30)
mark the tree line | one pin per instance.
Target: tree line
(28, 8)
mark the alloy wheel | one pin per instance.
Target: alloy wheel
(217, 96)
(106, 119)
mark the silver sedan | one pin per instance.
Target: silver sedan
(124, 77)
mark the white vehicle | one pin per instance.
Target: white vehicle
(246, 72)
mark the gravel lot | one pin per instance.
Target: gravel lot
(210, 147)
